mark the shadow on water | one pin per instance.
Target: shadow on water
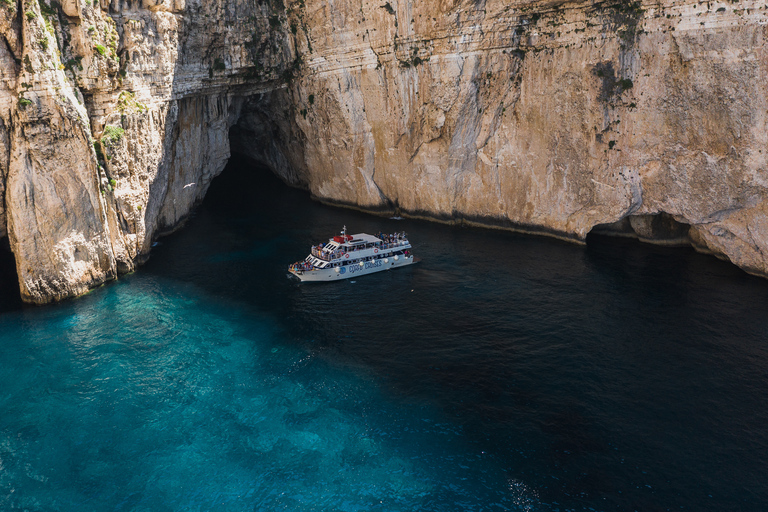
(591, 372)
(10, 298)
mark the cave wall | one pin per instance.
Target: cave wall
(548, 117)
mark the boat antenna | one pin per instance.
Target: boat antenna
(344, 230)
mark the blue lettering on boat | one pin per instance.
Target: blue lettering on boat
(368, 264)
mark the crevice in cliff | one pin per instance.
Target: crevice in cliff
(659, 229)
(10, 295)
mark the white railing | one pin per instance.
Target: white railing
(328, 256)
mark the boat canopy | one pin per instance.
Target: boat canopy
(362, 238)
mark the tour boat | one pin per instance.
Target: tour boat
(348, 256)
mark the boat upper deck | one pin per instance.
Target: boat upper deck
(362, 238)
(337, 247)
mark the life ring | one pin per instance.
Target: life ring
(375, 251)
(346, 255)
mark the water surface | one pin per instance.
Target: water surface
(503, 372)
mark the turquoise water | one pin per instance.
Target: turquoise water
(503, 372)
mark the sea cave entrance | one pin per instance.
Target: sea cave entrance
(660, 229)
(244, 184)
(10, 295)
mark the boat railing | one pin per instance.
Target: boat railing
(300, 267)
(392, 245)
(329, 256)
(324, 255)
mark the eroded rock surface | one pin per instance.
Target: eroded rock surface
(114, 118)
(549, 117)
(544, 117)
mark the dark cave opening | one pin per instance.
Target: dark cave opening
(243, 183)
(661, 229)
(10, 294)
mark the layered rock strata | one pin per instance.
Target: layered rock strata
(550, 117)
(114, 118)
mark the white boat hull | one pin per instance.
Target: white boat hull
(352, 270)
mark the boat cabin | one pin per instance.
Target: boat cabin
(363, 250)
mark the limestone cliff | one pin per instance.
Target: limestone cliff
(115, 118)
(554, 117)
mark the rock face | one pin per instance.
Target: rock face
(114, 118)
(548, 117)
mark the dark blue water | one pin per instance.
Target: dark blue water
(503, 372)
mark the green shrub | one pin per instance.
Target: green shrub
(24, 102)
(48, 10)
(71, 64)
(111, 135)
(127, 103)
(99, 48)
(30, 15)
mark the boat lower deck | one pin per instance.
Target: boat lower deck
(354, 269)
